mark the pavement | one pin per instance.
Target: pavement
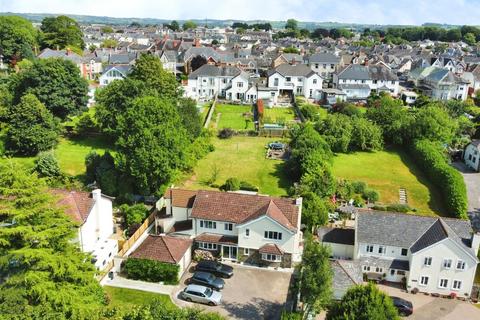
(122, 282)
(472, 181)
(252, 293)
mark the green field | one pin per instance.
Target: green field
(70, 154)
(232, 116)
(387, 172)
(243, 158)
(279, 115)
(129, 298)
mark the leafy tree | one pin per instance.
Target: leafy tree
(318, 178)
(197, 62)
(109, 43)
(187, 25)
(320, 33)
(291, 24)
(291, 49)
(174, 26)
(470, 39)
(133, 214)
(315, 276)
(61, 32)
(43, 274)
(32, 127)
(232, 184)
(46, 165)
(17, 38)
(366, 135)
(56, 83)
(106, 29)
(92, 48)
(147, 149)
(433, 123)
(314, 211)
(371, 195)
(337, 129)
(363, 302)
(347, 108)
(187, 108)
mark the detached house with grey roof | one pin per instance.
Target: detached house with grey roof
(430, 254)
(325, 64)
(295, 80)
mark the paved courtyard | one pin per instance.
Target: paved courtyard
(252, 293)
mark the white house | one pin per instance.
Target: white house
(296, 80)
(440, 84)
(359, 81)
(240, 227)
(325, 64)
(428, 254)
(114, 72)
(92, 211)
(471, 155)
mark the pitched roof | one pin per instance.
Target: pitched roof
(299, 70)
(271, 248)
(162, 248)
(359, 72)
(435, 233)
(216, 238)
(181, 198)
(77, 204)
(208, 70)
(336, 235)
(241, 208)
(324, 57)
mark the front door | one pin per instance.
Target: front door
(229, 252)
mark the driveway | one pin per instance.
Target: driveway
(472, 181)
(252, 293)
(428, 307)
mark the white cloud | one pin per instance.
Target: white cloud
(353, 11)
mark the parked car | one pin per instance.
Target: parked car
(201, 294)
(217, 268)
(404, 307)
(208, 280)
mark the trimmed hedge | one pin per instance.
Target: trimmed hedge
(431, 159)
(151, 271)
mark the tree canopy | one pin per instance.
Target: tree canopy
(17, 38)
(61, 32)
(188, 25)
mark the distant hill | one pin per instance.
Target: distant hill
(83, 19)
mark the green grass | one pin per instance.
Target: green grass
(70, 154)
(279, 115)
(243, 158)
(387, 172)
(231, 116)
(129, 298)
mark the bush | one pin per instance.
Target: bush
(86, 125)
(151, 271)
(248, 186)
(133, 214)
(226, 133)
(431, 159)
(371, 195)
(359, 187)
(232, 184)
(358, 201)
(46, 165)
(398, 208)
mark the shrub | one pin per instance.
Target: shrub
(133, 214)
(232, 184)
(371, 195)
(86, 125)
(226, 133)
(359, 187)
(358, 201)
(248, 186)
(151, 271)
(398, 208)
(46, 165)
(431, 159)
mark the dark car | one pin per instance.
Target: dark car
(208, 280)
(217, 268)
(404, 307)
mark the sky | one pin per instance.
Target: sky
(348, 11)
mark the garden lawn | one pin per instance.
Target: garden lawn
(70, 154)
(231, 116)
(243, 158)
(279, 115)
(387, 172)
(129, 298)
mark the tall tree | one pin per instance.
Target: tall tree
(17, 38)
(433, 123)
(174, 26)
(187, 108)
(61, 32)
(43, 275)
(187, 25)
(363, 302)
(56, 83)
(31, 127)
(316, 276)
(291, 24)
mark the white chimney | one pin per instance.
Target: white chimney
(476, 242)
(97, 197)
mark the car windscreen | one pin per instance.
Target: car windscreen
(208, 292)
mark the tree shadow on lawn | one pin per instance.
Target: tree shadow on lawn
(284, 181)
(436, 202)
(94, 142)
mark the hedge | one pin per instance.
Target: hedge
(151, 270)
(431, 159)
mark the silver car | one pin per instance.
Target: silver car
(196, 293)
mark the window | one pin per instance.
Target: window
(332, 66)
(314, 81)
(240, 84)
(271, 257)
(378, 269)
(366, 268)
(427, 261)
(404, 252)
(208, 224)
(273, 235)
(288, 79)
(443, 283)
(461, 265)
(246, 251)
(229, 226)
(447, 263)
(369, 248)
(299, 79)
(207, 245)
(324, 65)
(424, 281)
(247, 232)
(382, 249)
(224, 80)
(275, 82)
(457, 285)
(400, 272)
(316, 65)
